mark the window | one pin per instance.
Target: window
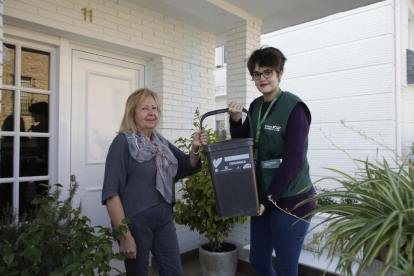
(25, 134)
(220, 56)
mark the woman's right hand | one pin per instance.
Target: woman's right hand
(235, 111)
(128, 248)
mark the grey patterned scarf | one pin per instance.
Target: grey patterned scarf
(143, 149)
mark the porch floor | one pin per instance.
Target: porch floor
(189, 269)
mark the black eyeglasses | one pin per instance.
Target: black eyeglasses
(266, 73)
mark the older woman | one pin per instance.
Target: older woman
(140, 172)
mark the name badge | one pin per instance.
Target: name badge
(271, 164)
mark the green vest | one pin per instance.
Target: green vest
(271, 146)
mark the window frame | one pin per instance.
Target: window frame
(53, 116)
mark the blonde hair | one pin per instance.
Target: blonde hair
(134, 100)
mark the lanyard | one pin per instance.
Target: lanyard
(261, 121)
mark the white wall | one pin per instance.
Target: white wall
(407, 97)
(342, 66)
(182, 55)
(407, 120)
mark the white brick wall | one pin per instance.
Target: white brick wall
(407, 100)
(342, 66)
(182, 71)
(242, 39)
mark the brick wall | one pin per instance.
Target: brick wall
(343, 67)
(183, 64)
(346, 74)
(242, 40)
(184, 74)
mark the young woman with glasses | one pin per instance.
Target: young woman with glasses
(281, 123)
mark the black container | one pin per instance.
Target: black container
(232, 169)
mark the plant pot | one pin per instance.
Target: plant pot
(218, 263)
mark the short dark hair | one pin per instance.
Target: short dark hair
(266, 57)
(39, 108)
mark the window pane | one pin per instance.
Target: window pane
(34, 109)
(27, 192)
(35, 69)
(6, 156)
(6, 198)
(7, 110)
(8, 67)
(34, 156)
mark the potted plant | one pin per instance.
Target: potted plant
(197, 209)
(379, 225)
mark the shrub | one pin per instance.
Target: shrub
(197, 208)
(55, 240)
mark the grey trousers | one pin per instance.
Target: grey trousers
(153, 230)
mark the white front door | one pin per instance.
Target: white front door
(100, 87)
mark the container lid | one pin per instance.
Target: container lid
(229, 144)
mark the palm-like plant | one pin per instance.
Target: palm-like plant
(380, 223)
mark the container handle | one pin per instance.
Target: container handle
(224, 110)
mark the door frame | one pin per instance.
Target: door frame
(67, 48)
(53, 95)
(79, 57)
(63, 85)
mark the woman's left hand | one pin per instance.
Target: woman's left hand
(200, 138)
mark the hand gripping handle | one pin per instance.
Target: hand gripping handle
(224, 110)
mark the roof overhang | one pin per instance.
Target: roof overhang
(215, 15)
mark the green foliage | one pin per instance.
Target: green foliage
(56, 240)
(221, 135)
(197, 208)
(326, 201)
(382, 219)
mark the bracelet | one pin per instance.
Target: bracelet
(197, 151)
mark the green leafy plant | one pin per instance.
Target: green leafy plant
(221, 135)
(381, 223)
(197, 208)
(56, 240)
(326, 201)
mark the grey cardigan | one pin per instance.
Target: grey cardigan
(134, 182)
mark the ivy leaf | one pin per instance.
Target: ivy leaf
(35, 268)
(37, 200)
(89, 264)
(47, 209)
(34, 254)
(119, 257)
(8, 258)
(87, 251)
(71, 267)
(63, 232)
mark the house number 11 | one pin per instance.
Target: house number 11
(85, 14)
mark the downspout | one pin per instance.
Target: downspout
(397, 26)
